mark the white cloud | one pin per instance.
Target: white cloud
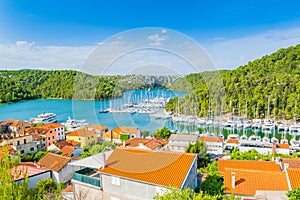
(156, 40)
(24, 54)
(229, 54)
(163, 31)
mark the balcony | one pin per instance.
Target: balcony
(87, 175)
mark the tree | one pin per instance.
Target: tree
(213, 185)
(163, 132)
(294, 194)
(200, 149)
(9, 188)
(145, 133)
(47, 189)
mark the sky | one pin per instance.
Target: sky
(65, 34)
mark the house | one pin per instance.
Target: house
(85, 137)
(34, 173)
(99, 130)
(178, 142)
(61, 171)
(71, 151)
(145, 143)
(116, 134)
(137, 174)
(214, 145)
(60, 144)
(16, 125)
(23, 143)
(257, 178)
(232, 143)
(49, 135)
(58, 128)
(282, 148)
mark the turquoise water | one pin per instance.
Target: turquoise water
(89, 110)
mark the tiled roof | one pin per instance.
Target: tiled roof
(60, 144)
(99, 127)
(162, 141)
(29, 168)
(283, 146)
(248, 181)
(233, 141)
(293, 162)
(207, 138)
(125, 130)
(81, 133)
(67, 150)
(150, 143)
(15, 123)
(51, 125)
(247, 164)
(9, 148)
(294, 175)
(68, 189)
(185, 138)
(156, 167)
(35, 130)
(54, 162)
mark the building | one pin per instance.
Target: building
(178, 142)
(232, 143)
(61, 171)
(34, 173)
(116, 134)
(71, 151)
(145, 143)
(16, 125)
(58, 128)
(214, 145)
(99, 130)
(260, 179)
(85, 137)
(137, 174)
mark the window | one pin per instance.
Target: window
(79, 138)
(52, 137)
(50, 131)
(58, 134)
(32, 149)
(49, 143)
(22, 151)
(48, 138)
(115, 180)
(24, 141)
(18, 142)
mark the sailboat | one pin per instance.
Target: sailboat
(268, 123)
(102, 109)
(295, 128)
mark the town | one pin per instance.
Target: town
(93, 162)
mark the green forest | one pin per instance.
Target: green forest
(16, 85)
(269, 82)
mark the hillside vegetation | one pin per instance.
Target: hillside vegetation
(273, 77)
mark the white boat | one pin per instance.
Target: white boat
(268, 125)
(256, 124)
(229, 124)
(44, 118)
(254, 138)
(73, 125)
(295, 129)
(247, 124)
(274, 140)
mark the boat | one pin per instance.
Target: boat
(256, 124)
(73, 125)
(44, 118)
(268, 125)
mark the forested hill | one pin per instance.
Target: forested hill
(16, 85)
(275, 77)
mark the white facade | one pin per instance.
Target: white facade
(215, 147)
(60, 131)
(65, 174)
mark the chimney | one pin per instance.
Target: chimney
(233, 179)
(285, 167)
(103, 159)
(273, 148)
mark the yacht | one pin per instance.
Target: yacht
(295, 129)
(268, 125)
(247, 124)
(254, 138)
(73, 125)
(229, 124)
(44, 118)
(256, 124)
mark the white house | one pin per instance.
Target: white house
(178, 142)
(214, 144)
(59, 166)
(58, 128)
(137, 174)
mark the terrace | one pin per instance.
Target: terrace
(88, 176)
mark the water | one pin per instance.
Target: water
(89, 110)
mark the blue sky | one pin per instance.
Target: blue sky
(228, 30)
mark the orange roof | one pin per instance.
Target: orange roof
(99, 127)
(247, 164)
(81, 133)
(125, 130)
(206, 138)
(293, 162)
(150, 143)
(60, 144)
(283, 146)
(233, 141)
(9, 148)
(67, 150)
(35, 130)
(54, 162)
(294, 175)
(162, 141)
(51, 125)
(15, 123)
(248, 181)
(68, 189)
(156, 167)
(113, 135)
